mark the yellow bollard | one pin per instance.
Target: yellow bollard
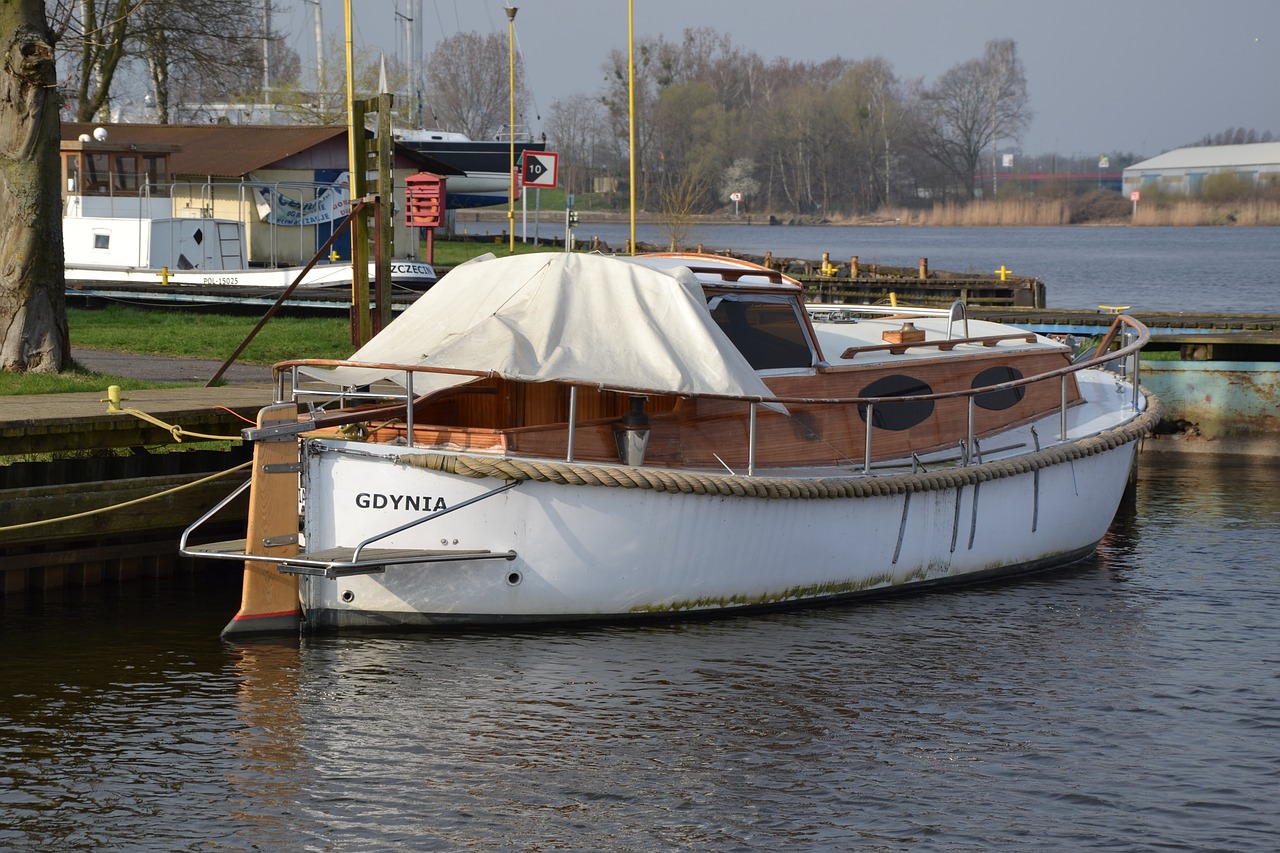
(827, 269)
(1004, 272)
(164, 275)
(113, 399)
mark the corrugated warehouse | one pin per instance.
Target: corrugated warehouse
(1183, 170)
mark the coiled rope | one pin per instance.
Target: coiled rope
(684, 482)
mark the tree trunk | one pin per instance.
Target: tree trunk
(33, 312)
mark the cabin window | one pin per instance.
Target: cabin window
(126, 173)
(73, 173)
(766, 329)
(897, 415)
(156, 170)
(102, 241)
(998, 400)
(97, 177)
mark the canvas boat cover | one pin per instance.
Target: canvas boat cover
(558, 316)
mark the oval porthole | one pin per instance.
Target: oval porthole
(348, 596)
(514, 578)
(998, 400)
(897, 415)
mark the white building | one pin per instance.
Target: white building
(1183, 170)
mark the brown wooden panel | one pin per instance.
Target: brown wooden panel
(704, 432)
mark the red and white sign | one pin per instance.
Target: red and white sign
(538, 169)
(735, 196)
(1133, 196)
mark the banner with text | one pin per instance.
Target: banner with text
(330, 203)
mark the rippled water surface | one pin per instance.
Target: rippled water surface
(1130, 703)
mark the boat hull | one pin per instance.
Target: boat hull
(608, 552)
(412, 275)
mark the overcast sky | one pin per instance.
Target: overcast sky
(1140, 76)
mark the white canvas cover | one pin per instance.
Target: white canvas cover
(559, 316)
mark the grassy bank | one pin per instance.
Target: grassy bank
(186, 333)
(182, 334)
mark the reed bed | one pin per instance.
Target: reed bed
(1054, 212)
(1244, 213)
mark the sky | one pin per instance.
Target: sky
(1113, 76)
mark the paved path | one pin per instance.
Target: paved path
(161, 369)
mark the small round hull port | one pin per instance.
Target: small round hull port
(514, 578)
(348, 596)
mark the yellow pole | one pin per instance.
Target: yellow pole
(511, 128)
(631, 89)
(359, 247)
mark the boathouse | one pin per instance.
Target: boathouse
(1184, 170)
(281, 181)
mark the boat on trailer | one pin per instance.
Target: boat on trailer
(557, 438)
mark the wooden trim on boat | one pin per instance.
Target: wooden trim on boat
(941, 344)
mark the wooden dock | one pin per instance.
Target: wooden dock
(874, 284)
(68, 458)
(1080, 321)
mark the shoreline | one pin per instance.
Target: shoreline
(1002, 215)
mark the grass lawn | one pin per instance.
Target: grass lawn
(183, 333)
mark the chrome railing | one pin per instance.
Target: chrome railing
(1126, 334)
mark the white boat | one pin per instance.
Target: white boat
(599, 438)
(149, 246)
(120, 227)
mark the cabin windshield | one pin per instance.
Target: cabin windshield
(767, 329)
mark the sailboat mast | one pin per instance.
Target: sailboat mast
(266, 51)
(319, 20)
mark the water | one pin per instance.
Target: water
(1129, 703)
(1150, 269)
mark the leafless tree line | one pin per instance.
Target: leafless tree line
(813, 137)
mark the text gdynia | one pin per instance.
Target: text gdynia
(417, 503)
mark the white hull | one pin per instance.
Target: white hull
(602, 552)
(416, 275)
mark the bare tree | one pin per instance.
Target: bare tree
(652, 73)
(33, 315)
(576, 126)
(1007, 100)
(100, 29)
(971, 105)
(211, 51)
(324, 100)
(885, 113)
(680, 196)
(469, 85)
(189, 47)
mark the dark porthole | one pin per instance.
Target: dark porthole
(998, 400)
(894, 415)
